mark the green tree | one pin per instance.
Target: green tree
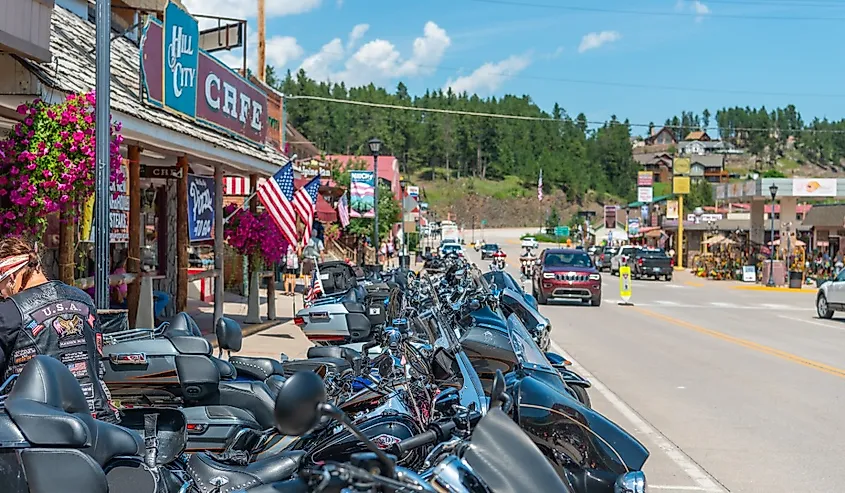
(701, 195)
(553, 220)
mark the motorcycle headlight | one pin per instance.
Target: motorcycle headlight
(631, 482)
(595, 277)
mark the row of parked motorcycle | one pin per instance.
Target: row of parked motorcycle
(446, 389)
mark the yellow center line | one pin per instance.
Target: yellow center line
(694, 284)
(832, 370)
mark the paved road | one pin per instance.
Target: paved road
(731, 390)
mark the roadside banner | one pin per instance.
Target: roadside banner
(362, 194)
(625, 283)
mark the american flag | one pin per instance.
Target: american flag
(343, 211)
(316, 289)
(540, 187)
(305, 203)
(276, 194)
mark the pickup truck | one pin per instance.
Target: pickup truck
(652, 262)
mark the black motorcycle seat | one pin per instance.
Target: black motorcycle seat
(48, 406)
(257, 368)
(333, 365)
(227, 370)
(191, 345)
(274, 383)
(349, 354)
(253, 397)
(203, 469)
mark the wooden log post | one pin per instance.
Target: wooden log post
(220, 280)
(253, 300)
(182, 236)
(136, 230)
(67, 245)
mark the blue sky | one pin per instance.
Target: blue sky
(719, 52)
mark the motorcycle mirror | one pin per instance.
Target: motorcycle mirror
(298, 403)
(497, 391)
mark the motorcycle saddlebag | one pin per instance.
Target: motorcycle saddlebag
(377, 296)
(212, 427)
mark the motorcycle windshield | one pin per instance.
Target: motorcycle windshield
(507, 460)
(583, 435)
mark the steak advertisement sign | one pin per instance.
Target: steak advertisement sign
(185, 80)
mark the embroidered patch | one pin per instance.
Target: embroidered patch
(99, 339)
(37, 330)
(74, 357)
(79, 369)
(21, 356)
(60, 308)
(88, 391)
(91, 319)
(68, 327)
(71, 342)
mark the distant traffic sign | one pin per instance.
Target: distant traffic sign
(562, 231)
(484, 222)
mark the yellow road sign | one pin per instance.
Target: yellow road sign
(625, 283)
(680, 185)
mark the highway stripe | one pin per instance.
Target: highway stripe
(704, 481)
(831, 370)
(670, 303)
(812, 322)
(722, 304)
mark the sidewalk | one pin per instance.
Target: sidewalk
(688, 279)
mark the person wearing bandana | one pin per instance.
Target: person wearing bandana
(43, 317)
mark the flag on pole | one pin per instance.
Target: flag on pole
(343, 211)
(305, 203)
(540, 187)
(276, 194)
(316, 289)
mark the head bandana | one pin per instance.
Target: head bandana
(10, 265)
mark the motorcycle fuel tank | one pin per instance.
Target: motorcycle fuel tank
(384, 430)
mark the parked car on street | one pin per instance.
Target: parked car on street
(602, 257)
(530, 242)
(622, 257)
(831, 296)
(566, 273)
(488, 249)
(652, 262)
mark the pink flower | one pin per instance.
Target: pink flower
(22, 109)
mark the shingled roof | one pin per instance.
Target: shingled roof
(826, 216)
(73, 70)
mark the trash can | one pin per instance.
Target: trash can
(796, 279)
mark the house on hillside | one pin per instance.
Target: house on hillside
(660, 164)
(701, 148)
(698, 135)
(664, 136)
(710, 168)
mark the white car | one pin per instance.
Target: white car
(621, 258)
(530, 242)
(831, 296)
(448, 248)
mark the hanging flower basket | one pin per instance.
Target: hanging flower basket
(47, 163)
(254, 234)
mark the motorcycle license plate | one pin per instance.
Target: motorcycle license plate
(320, 317)
(375, 310)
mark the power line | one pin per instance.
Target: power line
(657, 13)
(503, 116)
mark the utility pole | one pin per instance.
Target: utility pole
(102, 194)
(262, 37)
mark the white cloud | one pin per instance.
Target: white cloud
(595, 40)
(377, 60)
(318, 66)
(281, 50)
(695, 6)
(357, 33)
(489, 77)
(247, 9)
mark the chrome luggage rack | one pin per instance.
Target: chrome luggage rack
(134, 335)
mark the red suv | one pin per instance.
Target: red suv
(566, 273)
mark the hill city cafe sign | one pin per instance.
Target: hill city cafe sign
(185, 80)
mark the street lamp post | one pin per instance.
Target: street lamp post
(773, 189)
(375, 147)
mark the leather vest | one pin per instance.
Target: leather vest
(61, 321)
